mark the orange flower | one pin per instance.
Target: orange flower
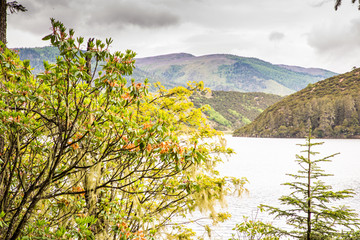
(130, 146)
(75, 146)
(125, 138)
(164, 147)
(78, 189)
(181, 150)
(126, 96)
(149, 148)
(147, 125)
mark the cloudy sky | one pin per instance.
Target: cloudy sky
(308, 33)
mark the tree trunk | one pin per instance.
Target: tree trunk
(3, 16)
(309, 195)
(2, 141)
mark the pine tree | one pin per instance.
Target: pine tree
(310, 211)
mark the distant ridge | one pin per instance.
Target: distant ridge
(311, 71)
(225, 72)
(166, 57)
(222, 72)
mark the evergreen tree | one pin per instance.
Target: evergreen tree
(309, 210)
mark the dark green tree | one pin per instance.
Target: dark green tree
(309, 208)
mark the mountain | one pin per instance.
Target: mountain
(224, 72)
(38, 55)
(331, 108)
(221, 72)
(230, 110)
(310, 71)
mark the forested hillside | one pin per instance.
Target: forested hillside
(230, 110)
(331, 108)
(38, 55)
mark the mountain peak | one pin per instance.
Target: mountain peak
(165, 57)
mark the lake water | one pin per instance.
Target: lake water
(265, 162)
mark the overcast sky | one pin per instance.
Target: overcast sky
(308, 33)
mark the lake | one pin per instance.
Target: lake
(265, 162)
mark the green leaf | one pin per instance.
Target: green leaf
(47, 37)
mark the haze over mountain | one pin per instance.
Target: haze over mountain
(218, 71)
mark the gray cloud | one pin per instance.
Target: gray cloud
(320, 3)
(276, 36)
(153, 27)
(84, 14)
(37, 19)
(335, 38)
(121, 14)
(337, 44)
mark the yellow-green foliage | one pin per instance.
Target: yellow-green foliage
(91, 156)
(254, 229)
(217, 117)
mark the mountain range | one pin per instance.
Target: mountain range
(224, 72)
(221, 72)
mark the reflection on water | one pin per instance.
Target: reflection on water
(265, 162)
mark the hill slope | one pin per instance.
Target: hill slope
(231, 110)
(225, 72)
(331, 108)
(218, 71)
